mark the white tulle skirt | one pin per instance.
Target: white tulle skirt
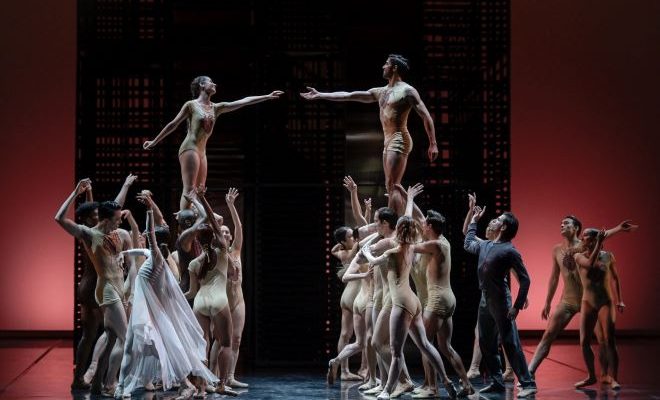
(164, 340)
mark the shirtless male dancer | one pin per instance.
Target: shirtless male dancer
(441, 303)
(103, 243)
(91, 315)
(395, 101)
(571, 297)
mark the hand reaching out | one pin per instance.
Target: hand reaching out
(350, 184)
(311, 94)
(415, 190)
(130, 179)
(275, 94)
(231, 196)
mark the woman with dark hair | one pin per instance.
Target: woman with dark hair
(164, 340)
(208, 286)
(201, 114)
(406, 314)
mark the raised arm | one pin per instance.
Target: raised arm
(89, 196)
(212, 221)
(230, 198)
(367, 210)
(351, 186)
(368, 96)
(412, 192)
(121, 196)
(417, 213)
(183, 114)
(229, 106)
(423, 112)
(552, 286)
(67, 224)
(127, 244)
(471, 243)
(472, 202)
(127, 215)
(151, 238)
(625, 226)
(146, 197)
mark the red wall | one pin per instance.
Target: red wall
(37, 107)
(585, 124)
(584, 134)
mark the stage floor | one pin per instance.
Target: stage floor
(33, 369)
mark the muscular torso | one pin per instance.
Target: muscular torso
(572, 291)
(103, 250)
(438, 264)
(395, 104)
(200, 126)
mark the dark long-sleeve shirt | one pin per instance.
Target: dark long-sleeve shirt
(495, 261)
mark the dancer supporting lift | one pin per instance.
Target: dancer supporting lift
(164, 340)
(201, 114)
(234, 286)
(395, 101)
(496, 313)
(208, 286)
(103, 242)
(406, 316)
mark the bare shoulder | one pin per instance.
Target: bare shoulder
(377, 91)
(123, 234)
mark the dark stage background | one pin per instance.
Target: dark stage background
(583, 134)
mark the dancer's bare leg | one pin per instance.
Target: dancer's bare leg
(360, 327)
(558, 321)
(99, 347)
(191, 167)
(381, 344)
(221, 349)
(394, 165)
(445, 329)
(610, 360)
(92, 320)
(238, 322)
(430, 382)
(114, 323)
(474, 371)
(400, 320)
(205, 324)
(587, 324)
(371, 353)
(125, 364)
(345, 338)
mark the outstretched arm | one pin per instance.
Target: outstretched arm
(230, 198)
(146, 197)
(423, 112)
(552, 287)
(351, 186)
(67, 224)
(625, 226)
(367, 210)
(412, 192)
(472, 202)
(471, 243)
(229, 106)
(368, 96)
(183, 114)
(135, 229)
(417, 213)
(121, 196)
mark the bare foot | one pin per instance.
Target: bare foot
(363, 372)
(222, 389)
(349, 376)
(587, 382)
(615, 385)
(331, 376)
(473, 373)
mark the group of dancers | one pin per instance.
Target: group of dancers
(175, 318)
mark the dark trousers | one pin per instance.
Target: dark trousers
(494, 325)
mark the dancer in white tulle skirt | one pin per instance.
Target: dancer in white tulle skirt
(164, 340)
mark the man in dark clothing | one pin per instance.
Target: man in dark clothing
(496, 313)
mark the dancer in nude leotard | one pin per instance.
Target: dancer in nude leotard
(201, 114)
(208, 286)
(234, 288)
(395, 101)
(406, 316)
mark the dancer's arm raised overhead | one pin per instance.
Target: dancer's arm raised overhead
(230, 198)
(171, 126)
(201, 195)
(417, 213)
(423, 112)
(188, 236)
(127, 215)
(471, 243)
(472, 202)
(352, 188)
(367, 96)
(146, 197)
(229, 106)
(75, 230)
(121, 196)
(367, 210)
(410, 197)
